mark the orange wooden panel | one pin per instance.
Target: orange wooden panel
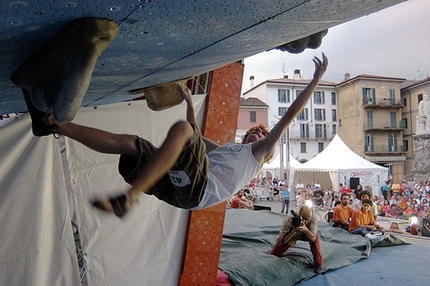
(206, 226)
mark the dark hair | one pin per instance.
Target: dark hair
(367, 201)
(344, 195)
(365, 193)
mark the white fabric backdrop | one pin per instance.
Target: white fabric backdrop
(37, 245)
(144, 248)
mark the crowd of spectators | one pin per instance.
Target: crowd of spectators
(403, 199)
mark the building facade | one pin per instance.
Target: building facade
(374, 115)
(312, 130)
(370, 120)
(412, 93)
(252, 112)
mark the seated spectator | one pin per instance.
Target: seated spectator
(300, 197)
(425, 231)
(394, 227)
(404, 203)
(335, 202)
(396, 211)
(318, 201)
(386, 209)
(239, 201)
(358, 190)
(378, 204)
(410, 210)
(395, 188)
(363, 221)
(307, 200)
(393, 199)
(247, 193)
(343, 213)
(365, 195)
(426, 212)
(327, 202)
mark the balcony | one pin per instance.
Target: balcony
(296, 135)
(384, 103)
(384, 149)
(384, 127)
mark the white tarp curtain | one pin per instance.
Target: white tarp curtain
(340, 164)
(144, 248)
(37, 245)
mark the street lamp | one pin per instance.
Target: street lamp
(285, 139)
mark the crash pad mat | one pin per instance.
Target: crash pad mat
(249, 236)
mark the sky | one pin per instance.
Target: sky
(393, 42)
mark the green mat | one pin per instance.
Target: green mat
(250, 235)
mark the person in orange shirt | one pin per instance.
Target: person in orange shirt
(343, 213)
(240, 202)
(404, 203)
(363, 222)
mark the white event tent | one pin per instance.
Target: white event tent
(337, 164)
(274, 166)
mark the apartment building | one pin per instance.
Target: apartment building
(252, 112)
(315, 126)
(374, 115)
(371, 122)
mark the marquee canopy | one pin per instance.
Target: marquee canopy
(340, 164)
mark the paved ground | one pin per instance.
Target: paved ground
(275, 206)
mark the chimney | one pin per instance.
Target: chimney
(297, 74)
(347, 76)
(251, 81)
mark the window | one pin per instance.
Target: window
(420, 97)
(333, 115)
(405, 145)
(404, 123)
(392, 142)
(303, 116)
(320, 131)
(252, 116)
(404, 102)
(393, 121)
(281, 111)
(392, 96)
(368, 143)
(319, 114)
(333, 98)
(319, 97)
(320, 146)
(284, 95)
(304, 130)
(334, 129)
(368, 95)
(298, 92)
(302, 147)
(369, 115)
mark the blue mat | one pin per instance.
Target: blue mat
(250, 235)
